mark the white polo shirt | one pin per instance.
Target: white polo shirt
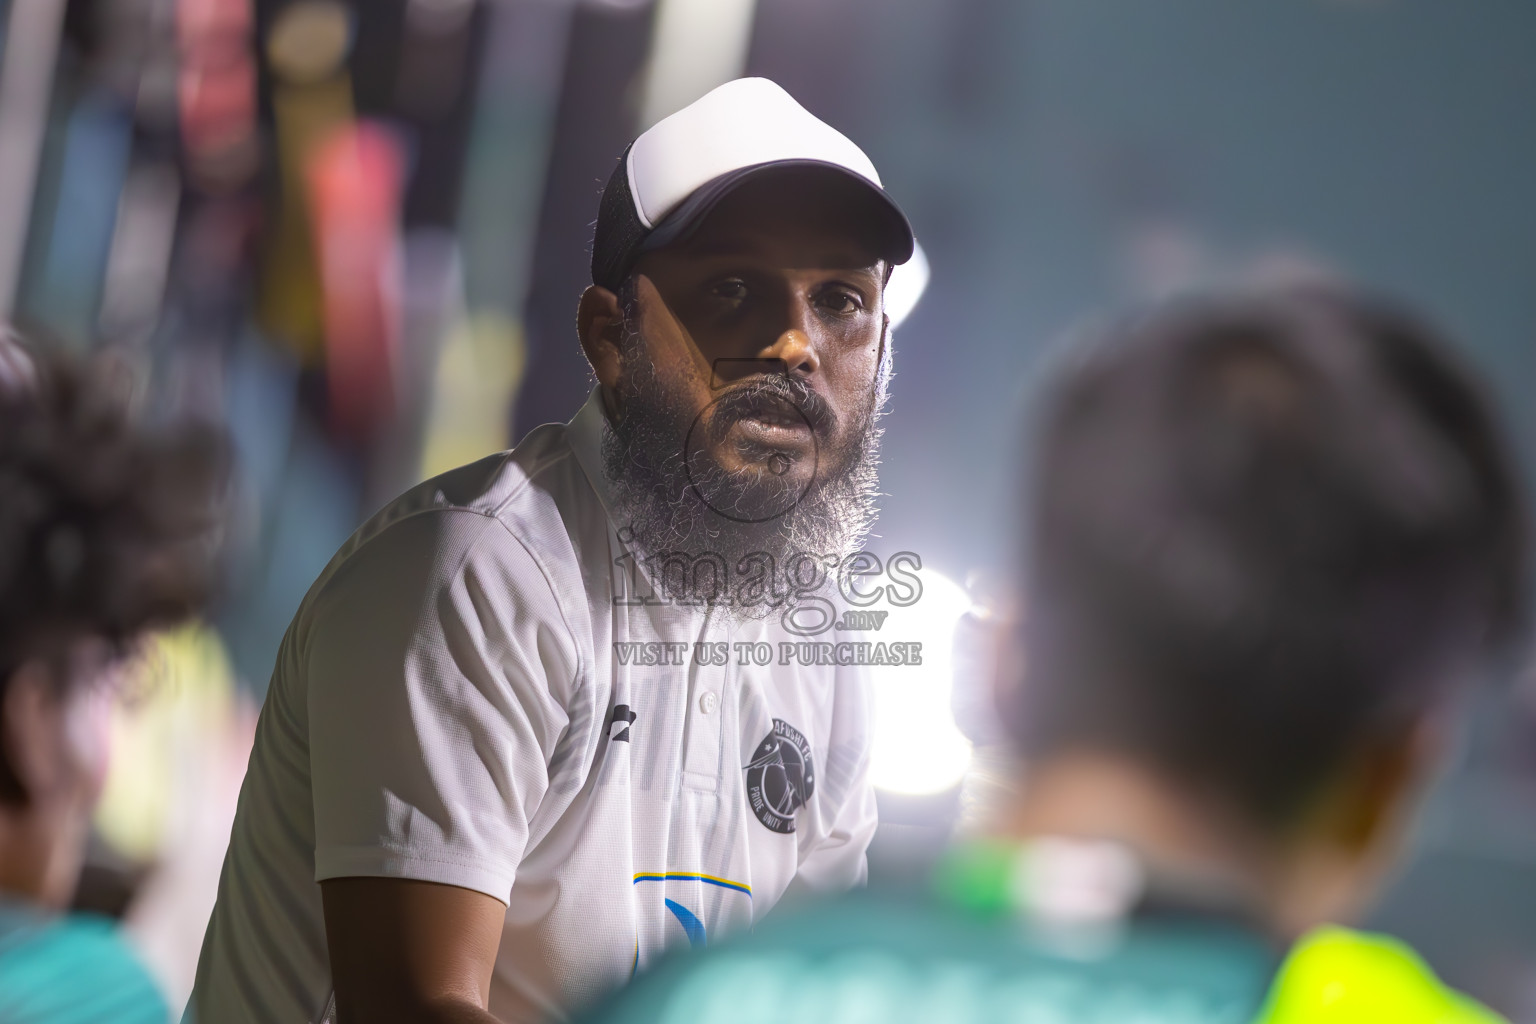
(459, 700)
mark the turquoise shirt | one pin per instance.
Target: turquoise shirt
(961, 953)
(901, 958)
(71, 969)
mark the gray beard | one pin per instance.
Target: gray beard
(668, 503)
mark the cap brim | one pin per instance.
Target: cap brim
(895, 239)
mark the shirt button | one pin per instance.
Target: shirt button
(709, 702)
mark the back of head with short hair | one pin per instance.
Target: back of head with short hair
(1262, 529)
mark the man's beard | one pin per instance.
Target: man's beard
(670, 496)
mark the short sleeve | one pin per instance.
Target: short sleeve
(834, 858)
(439, 670)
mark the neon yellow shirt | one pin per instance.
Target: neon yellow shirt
(1338, 976)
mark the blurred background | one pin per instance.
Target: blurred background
(356, 234)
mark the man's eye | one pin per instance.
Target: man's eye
(840, 302)
(734, 290)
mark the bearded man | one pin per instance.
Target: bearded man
(519, 738)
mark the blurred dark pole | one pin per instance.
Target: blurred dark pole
(595, 119)
(32, 32)
(417, 67)
(509, 154)
(411, 69)
(414, 65)
(209, 75)
(417, 62)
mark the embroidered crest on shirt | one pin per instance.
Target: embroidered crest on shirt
(780, 777)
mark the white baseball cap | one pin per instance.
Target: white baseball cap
(673, 175)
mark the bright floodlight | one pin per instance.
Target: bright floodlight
(907, 284)
(917, 749)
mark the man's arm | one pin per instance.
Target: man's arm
(437, 670)
(405, 951)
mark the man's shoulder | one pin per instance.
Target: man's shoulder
(527, 499)
(523, 521)
(533, 486)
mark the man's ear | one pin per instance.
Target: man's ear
(1384, 783)
(600, 325)
(1350, 838)
(30, 735)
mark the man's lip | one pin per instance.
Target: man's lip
(777, 417)
(775, 429)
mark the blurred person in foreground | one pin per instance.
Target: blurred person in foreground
(1268, 540)
(108, 530)
(494, 774)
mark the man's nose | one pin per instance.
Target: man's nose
(794, 347)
